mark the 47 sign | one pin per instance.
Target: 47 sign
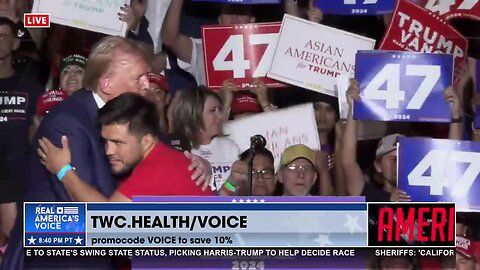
(403, 86)
(355, 7)
(241, 52)
(440, 170)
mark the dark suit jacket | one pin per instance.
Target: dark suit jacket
(76, 118)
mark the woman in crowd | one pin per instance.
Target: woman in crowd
(263, 172)
(72, 70)
(196, 117)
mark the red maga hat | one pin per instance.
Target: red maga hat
(245, 102)
(159, 80)
(50, 99)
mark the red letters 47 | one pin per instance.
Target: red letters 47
(239, 52)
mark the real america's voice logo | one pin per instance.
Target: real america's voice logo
(50, 224)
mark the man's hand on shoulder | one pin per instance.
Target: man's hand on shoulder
(201, 168)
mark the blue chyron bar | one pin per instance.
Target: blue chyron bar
(213, 232)
(332, 227)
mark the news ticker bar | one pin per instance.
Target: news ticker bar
(247, 258)
(264, 223)
(273, 252)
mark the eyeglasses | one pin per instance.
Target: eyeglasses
(297, 168)
(265, 174)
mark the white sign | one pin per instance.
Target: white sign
(97, 16)
(341, 88)
(156, 11)
(312, 55)
(366, 130)
(281, 128)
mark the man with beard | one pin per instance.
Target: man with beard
(129, 128)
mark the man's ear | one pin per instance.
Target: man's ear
(104, 85)
(378, 168)
(253, 19)
(148, 142)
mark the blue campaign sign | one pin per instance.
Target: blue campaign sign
(245, 2)
(54, 224)
(403, 86)
(431, 170)
(355, 7)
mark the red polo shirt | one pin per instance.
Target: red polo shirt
(163, 172)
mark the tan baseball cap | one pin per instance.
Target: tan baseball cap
(297, 151)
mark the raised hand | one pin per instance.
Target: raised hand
(260, 89)
(399, 195)
(352, 94)
(314, 14)
(452, 97)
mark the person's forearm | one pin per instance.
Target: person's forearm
(339, 178)
(326, 187)
(354, 179)
(81, 191)
(456, 126)
(349, 142)
(181, 45)
(171, 23)
(226, 109)
(455, 131)
(8, 214)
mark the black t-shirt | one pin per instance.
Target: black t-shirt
(18, 98)
(373, 193)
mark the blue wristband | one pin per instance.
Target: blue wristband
(63, 171)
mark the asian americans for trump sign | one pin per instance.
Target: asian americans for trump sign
(312, 55)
